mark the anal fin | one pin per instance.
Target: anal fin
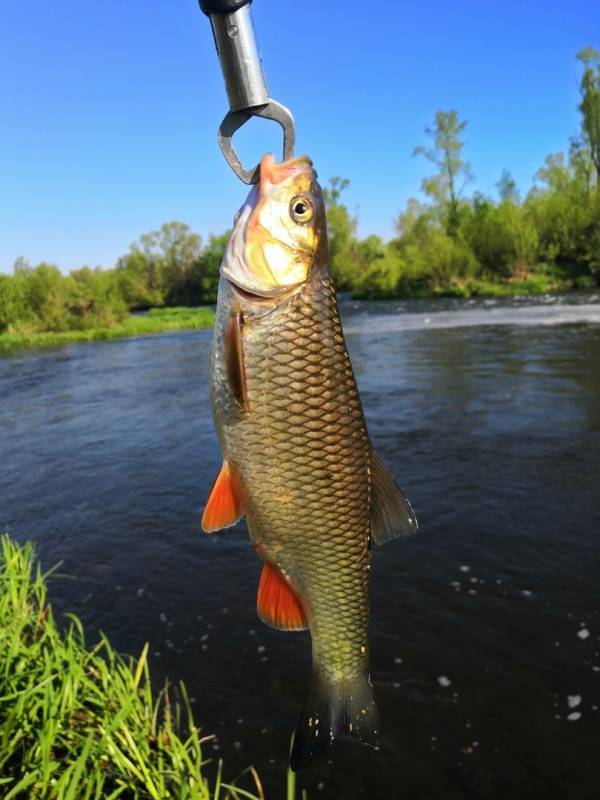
(224, 506)
(277, 604)
(391, 513)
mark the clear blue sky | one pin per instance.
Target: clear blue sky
(109, 110)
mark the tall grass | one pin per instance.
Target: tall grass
(155, 321)
(81, 723)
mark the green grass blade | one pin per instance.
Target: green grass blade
(82, 723)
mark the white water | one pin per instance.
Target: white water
(466, 318)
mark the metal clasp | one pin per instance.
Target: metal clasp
(246, 87)
(235, 119)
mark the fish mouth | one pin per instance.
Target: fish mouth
(245, 293)
(262, 297)
(273, 172)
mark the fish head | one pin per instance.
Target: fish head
(278, 231)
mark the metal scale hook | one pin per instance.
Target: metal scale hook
(245, 81)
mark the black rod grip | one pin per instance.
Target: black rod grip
(222, 6)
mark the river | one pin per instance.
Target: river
(485, 631)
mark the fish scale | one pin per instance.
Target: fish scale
(303, 455)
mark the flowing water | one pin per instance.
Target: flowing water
(485, 626)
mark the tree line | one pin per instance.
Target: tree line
(168, 267)
(452, 244)
(456, 244)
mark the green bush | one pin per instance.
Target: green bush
(503, 238)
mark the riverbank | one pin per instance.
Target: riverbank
(157, 320)
(532, 284)
(83, 722)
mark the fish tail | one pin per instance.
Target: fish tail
(346, 708)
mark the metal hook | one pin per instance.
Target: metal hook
(235, 119)
(245, 80)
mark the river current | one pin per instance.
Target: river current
(485, 626)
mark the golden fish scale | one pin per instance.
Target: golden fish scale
(303, 454)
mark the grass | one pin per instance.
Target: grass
(81, 723)
(155, 321)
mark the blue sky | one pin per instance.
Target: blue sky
(109, 110)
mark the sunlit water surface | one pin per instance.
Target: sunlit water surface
(485, 627)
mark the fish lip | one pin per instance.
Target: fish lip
(246, 294)
(274, 172)
(256, 297)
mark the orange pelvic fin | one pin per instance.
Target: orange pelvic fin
(277, 604)
(224, 506)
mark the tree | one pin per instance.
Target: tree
(46, 293)
(138, 280)
(174, 249)
(554, 173)
(204, 278)
(507, 188)
(13, 307)
(502, 237)
(416, 214)
(158, 268)
(590, 106)
(341, 233)
(380, 269)
(445, 187)
(337, 186)
(96, 298)
(581, 165)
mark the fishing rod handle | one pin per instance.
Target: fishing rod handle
(238, 52)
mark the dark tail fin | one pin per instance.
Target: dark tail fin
(346, 708)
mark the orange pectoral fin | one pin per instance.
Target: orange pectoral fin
(277, 604)
(224, 506)
(234, 358)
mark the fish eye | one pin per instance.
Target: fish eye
(301, 209)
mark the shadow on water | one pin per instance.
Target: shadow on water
(485, 627)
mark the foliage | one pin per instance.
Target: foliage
(446, 155)
(80, 722)
(341, 234)
(42, 298)
(507, 188)
(157, 320)
(502, 237)
(166, 267)
(170, 267)
(590, 106)
(204, 278)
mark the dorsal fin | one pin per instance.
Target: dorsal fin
(224, 506)
(234, 357)
(391, 513)
(277, 603)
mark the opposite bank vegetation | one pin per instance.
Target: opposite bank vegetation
(82, 723)
(453, 245)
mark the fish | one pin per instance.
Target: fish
(297, 459)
